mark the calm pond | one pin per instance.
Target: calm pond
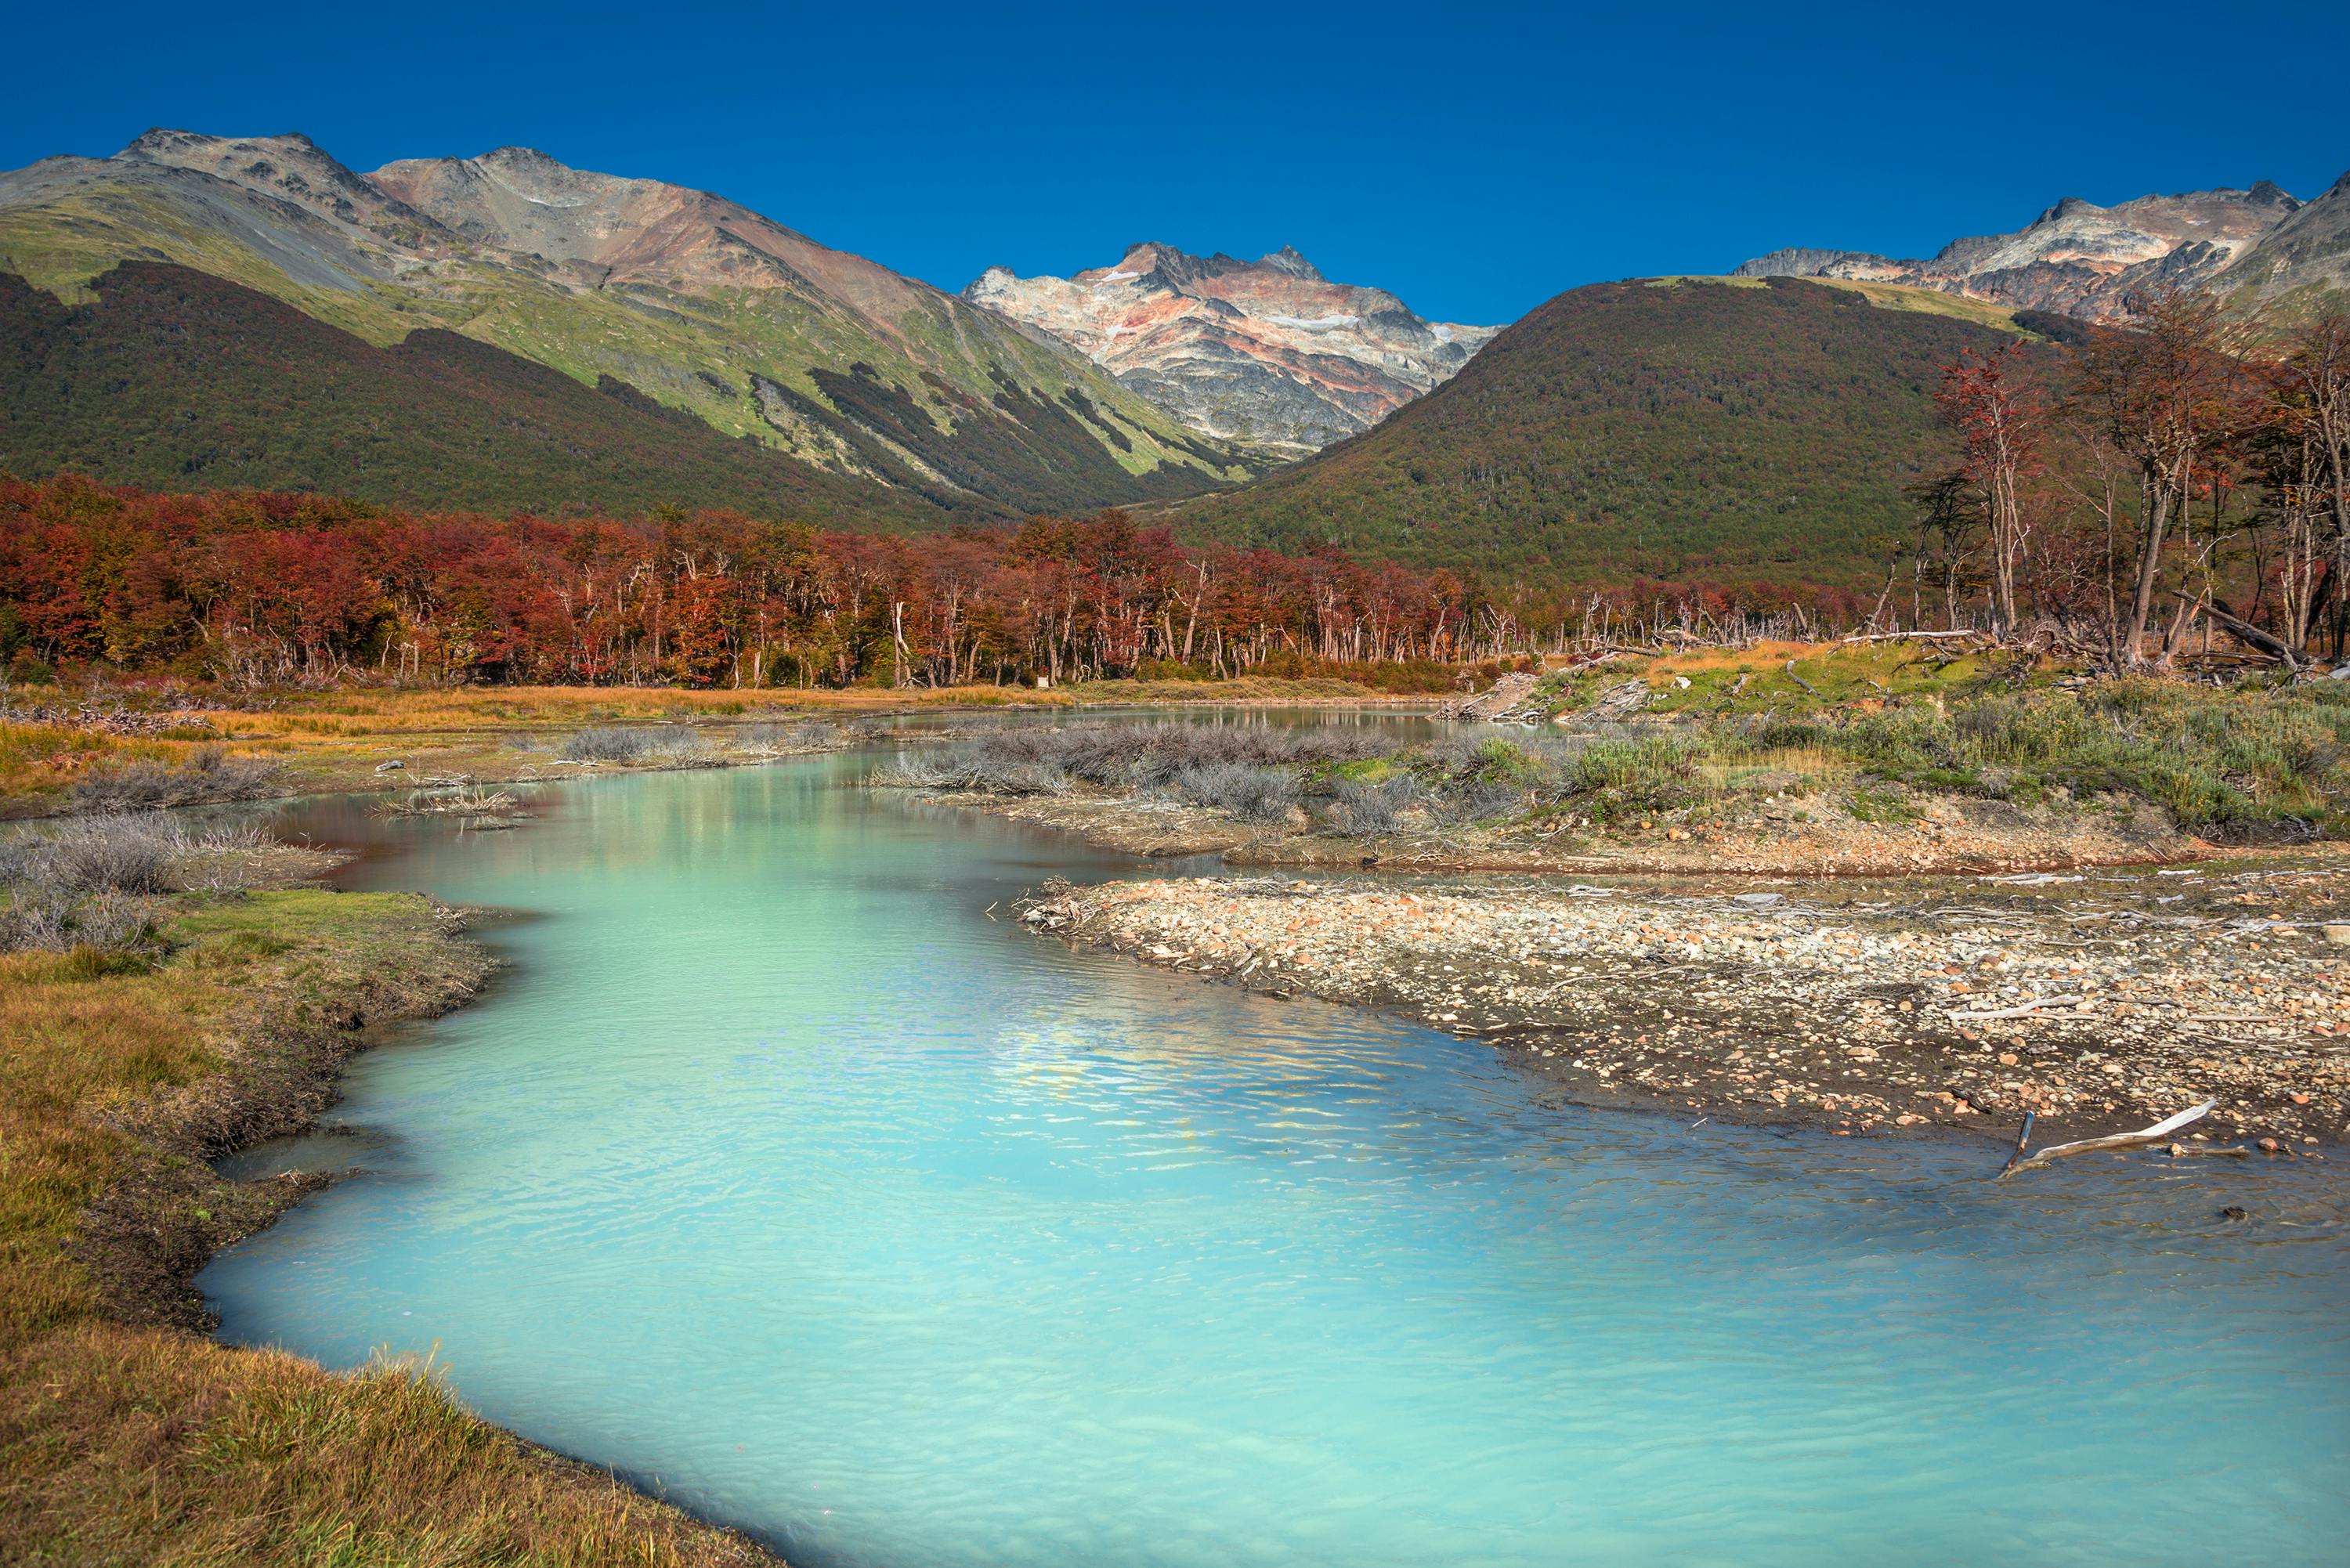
(777, 1176)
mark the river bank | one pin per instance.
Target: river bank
(1964, 782)
(2098, 1001)
(223, 1018)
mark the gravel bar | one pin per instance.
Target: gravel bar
(2101, 1001)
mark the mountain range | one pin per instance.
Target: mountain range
(2255, 246)
(510, 333)
(1269, 352)
(692, 302)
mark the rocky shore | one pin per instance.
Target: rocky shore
(2100, 1000)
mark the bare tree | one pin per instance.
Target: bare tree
(2167, 392)
(2000, 416)
(2307, 453)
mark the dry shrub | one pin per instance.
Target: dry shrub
(1365, 807)
(211, 776)
(622, 743)
(1028, 759)
(1251, 793)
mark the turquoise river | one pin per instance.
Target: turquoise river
(778, 1175)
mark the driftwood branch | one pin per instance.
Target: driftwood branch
(2021, 1010)
(2155, 1133)
(1800, 680)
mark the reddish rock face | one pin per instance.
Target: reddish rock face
(1269, 351)
(2082, 260)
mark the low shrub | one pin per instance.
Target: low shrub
(981, 769)
(1129, 756)
(1249, 790)
(51, 920)
(78, 885)
(806, 735)
(1617, 778)
(1472, 800)
(120, 854)
(211, 776)
(1368, 807)
(625, 743)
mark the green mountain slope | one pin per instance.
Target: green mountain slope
(174, 379)
(1688, 429)
(697, 303)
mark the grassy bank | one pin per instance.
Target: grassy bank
(1972, 771)
(1887, 727)
(198, 1019)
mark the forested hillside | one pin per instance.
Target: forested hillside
(174, 378)
(1693, 430)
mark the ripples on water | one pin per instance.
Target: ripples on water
(778, 1175)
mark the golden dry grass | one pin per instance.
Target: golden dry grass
(74, 1043)
(154, 1446)
(334, 740)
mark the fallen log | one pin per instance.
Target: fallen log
(1800, 680)
(2144, 1136)
(2245, 632)
(1917, 636)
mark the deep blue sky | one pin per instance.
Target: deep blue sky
(1474, 160)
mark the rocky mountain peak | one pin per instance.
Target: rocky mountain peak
(2076, 258)
(289, 167)
(1286, 259)
(161, 144)
(2065, 207)
(543, 177)
(667, 292)
(1268, 351)
(228, 156)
